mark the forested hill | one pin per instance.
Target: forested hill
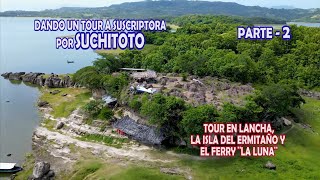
(152, 9)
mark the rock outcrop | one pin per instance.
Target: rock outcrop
(59, 125)
(312, 94)
(43, 103)
(13, 76)
(53, 81)
(41, 171)
(286, 121)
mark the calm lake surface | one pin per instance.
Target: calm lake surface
(22, 49)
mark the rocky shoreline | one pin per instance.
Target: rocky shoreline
(53, 81)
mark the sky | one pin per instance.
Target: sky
(37, 5)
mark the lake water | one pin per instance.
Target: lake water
(22, 49)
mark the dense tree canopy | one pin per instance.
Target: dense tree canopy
(164, 111)
(277, 99)
(194, 117)
(207, 46)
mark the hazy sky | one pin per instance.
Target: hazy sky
(6, 5)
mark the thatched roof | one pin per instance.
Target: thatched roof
(144, 75)
(140, 132)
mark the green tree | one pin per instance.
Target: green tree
(277, 100)
(88, 77)
(105, 113)
(164, 111)
(93, 108)
(154, 61)
(248, 113)
(114, 84)
(108, 63)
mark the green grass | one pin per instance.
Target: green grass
(27, 168)
(15, 81)
(108, 140)
(86, 169)
(49, 124)
(63, 105)
(137, 173)
(148, 48)
(185, 150)
(310, 113)
(72, 147)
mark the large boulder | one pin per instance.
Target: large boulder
(172, 79)
(40, 169)
(98, 93)
(40, 81)
(6, 75)
(177, 93)
(193, 88)
(54, 92)
(53, 81)
(312, 94)
(49, 175)
(286, 122)
(31, 77)
(178, 85)
(277, 124)
(59, 125)
(66, 82)
(163, 81)
(43, 103)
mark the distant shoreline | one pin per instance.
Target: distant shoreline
(288, 22)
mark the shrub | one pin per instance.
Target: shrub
(277, 100)
(194, 117)
(93, 108)
(184, 76)
(105, 113)
(135, 104)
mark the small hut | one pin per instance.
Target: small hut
(143, 133)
